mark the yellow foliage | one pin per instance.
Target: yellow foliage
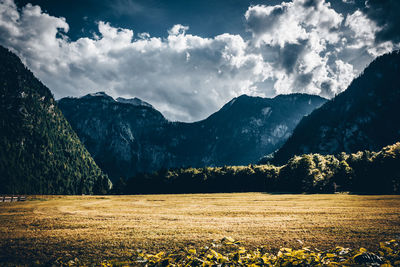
(233, 255)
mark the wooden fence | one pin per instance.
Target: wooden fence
(12, 198)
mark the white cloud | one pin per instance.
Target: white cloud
(363, 29)
(266, 23)
(290, 22)
(186, 77)
(178, 29)
(315, 44)
(298, 46)
(301, 32)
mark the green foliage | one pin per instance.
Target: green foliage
(362, 172)
(39, 151)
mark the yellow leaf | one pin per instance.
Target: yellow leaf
(159, 255)
(229, 239)
(362, 250)
(241, 250)
(216, 254)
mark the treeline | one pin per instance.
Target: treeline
(362, 172)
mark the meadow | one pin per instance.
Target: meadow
(87, 229)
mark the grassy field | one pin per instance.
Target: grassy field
(93, 228)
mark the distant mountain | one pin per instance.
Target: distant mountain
(123, 138)
(133, 101)
(39, 151)
(364, 117)
(129, 136)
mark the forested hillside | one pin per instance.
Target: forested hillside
(361, 172)
(364, 117)
(39, 151)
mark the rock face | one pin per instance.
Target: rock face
(128, 136)
(364, 117)
(39, 151)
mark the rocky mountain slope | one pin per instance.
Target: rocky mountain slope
(364, 117)
(128, 136)
(39, 151)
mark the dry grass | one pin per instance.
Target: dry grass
(92, 228)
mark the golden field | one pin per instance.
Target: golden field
(93, 228)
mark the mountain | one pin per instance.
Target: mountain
(364, 117)
(39, 151)
(134, 101)
(247, 127)
(129, 136)
(121, 137)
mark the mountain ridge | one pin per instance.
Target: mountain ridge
(239, 133)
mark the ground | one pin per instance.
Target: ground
(93, 228)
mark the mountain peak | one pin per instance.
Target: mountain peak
(99, 95)
(246, 100)
(133, 101)
(239, 99)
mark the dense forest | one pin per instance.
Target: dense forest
(362, 172)
(39, 151)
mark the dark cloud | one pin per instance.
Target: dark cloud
(311, 3)
(290, 54)
(326, 89)
(386, 14)
(302, 81)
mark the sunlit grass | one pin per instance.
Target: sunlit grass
(95, 228)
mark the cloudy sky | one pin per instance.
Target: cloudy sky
(189, 57)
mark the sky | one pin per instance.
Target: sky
(189, 57)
